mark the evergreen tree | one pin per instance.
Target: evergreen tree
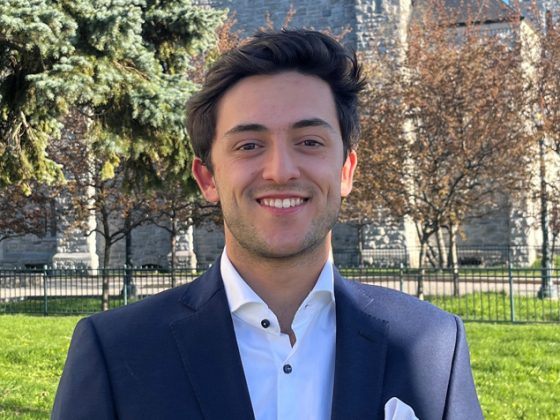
(122, 63)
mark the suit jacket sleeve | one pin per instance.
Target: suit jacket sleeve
(84, 391)
(462, 401)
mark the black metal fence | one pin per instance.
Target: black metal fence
(66, 291)
(501, 294)
(478, 294)
(518, 256)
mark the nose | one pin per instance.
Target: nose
(281, 164)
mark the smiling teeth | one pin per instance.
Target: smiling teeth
(282, 203)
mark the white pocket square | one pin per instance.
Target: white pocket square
(395, 409)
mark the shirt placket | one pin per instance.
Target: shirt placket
(289, 372)
(286, 377)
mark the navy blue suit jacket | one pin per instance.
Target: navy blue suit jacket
(175, 356)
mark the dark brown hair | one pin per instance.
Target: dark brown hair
(308, 52)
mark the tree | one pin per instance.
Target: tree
(378, 179)
(118, 212)
(544, 91)
(446, 133)
(122, 64)
(118, 204)
(26, 214)
(177, 207)
(124, 67)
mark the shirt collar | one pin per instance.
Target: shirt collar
(240, 294)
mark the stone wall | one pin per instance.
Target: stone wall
(381, 25)
(208, 243)
(150, 247)
(492, 229)
(75, 246)
(334, 15)
(28, 250)
(387, 241)
(346, 244)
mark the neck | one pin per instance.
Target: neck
(282, 283)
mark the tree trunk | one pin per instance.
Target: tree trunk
(106, 260)
(173, 251)
(454, 257)
(547, 289)
(128, 242)
(421, 263)
(105, 276)
(430, 255)
(442, 253)
(552, 248)
(128, 280)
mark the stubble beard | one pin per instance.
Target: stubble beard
(253, 243)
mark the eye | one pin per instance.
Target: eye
(248, 146)
(311, 143)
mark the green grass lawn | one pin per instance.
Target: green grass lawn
(32, 353)
(516, 367)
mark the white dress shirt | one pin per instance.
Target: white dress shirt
(285, 382)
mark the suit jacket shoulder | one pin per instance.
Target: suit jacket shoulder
(402, 310)
(422, 349)
(172, 355)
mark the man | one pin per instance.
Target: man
(272, 331)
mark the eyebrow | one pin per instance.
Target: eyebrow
(312, 122)
(253, 127)
(243, 128)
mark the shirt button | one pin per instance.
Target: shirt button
(287, 368)
(265, 323)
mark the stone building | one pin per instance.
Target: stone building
(376, 25)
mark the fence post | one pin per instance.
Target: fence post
(45, 292)
(511, 300)
(401, 277)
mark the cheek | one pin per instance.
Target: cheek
(332, 188)
(231, 180)
(242, 175)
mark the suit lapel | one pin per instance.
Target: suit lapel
(206, 341)
(360, 355)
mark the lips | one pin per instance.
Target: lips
(282, 203)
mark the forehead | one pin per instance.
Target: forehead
(276, 101)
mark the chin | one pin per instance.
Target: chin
(288, 251)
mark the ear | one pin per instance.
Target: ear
(205, 181)
(347, 176)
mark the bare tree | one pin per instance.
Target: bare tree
(446, 132)
(110, 191)
(544, 90)
(23, 214)
(175, 207)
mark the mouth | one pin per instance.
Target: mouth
(282, 203)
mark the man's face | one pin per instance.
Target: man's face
(278, 165)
